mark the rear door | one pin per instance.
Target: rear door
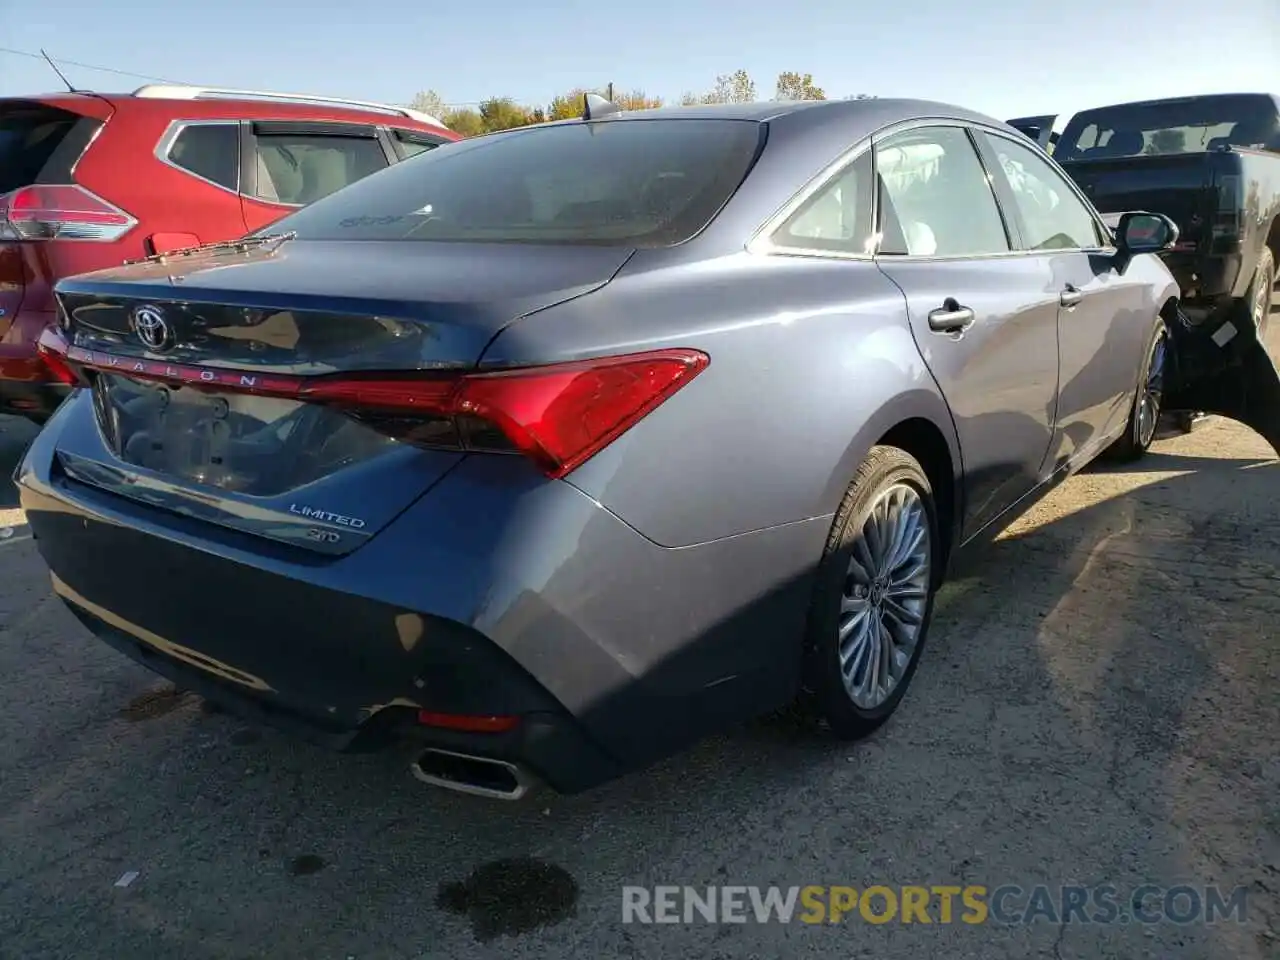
(985, 317)
(287, 164)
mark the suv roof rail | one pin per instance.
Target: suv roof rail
(178, 91)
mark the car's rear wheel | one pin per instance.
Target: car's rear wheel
(873, 599)
(1144, 415)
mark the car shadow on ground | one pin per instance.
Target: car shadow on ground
(1097, 705)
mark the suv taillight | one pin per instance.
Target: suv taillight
(60, 212)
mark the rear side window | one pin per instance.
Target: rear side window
(210, 151)
(836, 219)
(612, 182)
(29, 134)
(302, 168)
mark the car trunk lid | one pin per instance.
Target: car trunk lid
(197, 366)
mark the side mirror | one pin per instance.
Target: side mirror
(1140, 232)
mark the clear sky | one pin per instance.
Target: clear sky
(1003, 57)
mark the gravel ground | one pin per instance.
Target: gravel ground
(1100, 704)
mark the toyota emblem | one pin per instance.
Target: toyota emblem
(151, 327)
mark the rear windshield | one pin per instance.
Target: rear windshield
(29, 133)
(1181, 126)
(612, 182)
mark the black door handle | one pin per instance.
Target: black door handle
(1070, 296)
(951, 317)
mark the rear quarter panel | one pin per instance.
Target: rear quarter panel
(122, 167)
(811, 362)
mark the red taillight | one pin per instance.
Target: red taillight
(558, 415)
(468, 722)
(61, 212)
(55, 363)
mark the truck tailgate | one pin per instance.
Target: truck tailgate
(1181, 186)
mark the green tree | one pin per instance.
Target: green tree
(465, 121)
(429, 102)
(736, 87)
(636, 100)
(798, 86)
(568, 106)
(503, 113)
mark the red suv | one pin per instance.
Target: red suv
(89, 180)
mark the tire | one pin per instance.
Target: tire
(1144, 414)
(888, 476)
(1257, 302)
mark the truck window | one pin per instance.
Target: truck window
(1165, 127)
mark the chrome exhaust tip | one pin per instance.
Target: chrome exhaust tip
(478, 776)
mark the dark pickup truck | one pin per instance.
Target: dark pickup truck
(1212, 164)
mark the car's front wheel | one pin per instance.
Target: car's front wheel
(873, 598)
(1148, 402)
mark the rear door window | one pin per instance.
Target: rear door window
(936, 199)
(211, 151)
(612, 182)
(29, 134)
(300, 164)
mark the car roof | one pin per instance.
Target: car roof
(232, 107)
(871, 113)
(1171, 101)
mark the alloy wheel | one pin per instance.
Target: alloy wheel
(885, 596)
(1152, 394)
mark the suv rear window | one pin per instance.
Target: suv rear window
(29, 133)
(1178, 126)
(612, 182)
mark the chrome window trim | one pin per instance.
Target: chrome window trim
(170, 137)
(762, 243)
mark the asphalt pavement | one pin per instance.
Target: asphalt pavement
(1099, 705)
